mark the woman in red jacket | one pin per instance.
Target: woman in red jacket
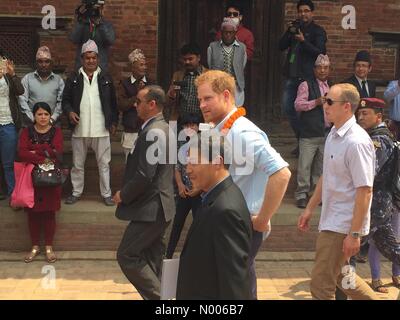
(39, 144)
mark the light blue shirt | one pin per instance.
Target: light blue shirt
(392, 97)
(250, 169)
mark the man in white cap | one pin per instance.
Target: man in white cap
(89, 100)
(229, 55)
(42, 85)
(313, 129)
(127, 91)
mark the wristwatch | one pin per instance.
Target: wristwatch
(355, 235)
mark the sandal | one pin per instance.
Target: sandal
(396, 281)
(377, 285)
(50, 256)
(34, 252)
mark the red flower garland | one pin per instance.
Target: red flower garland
(240, 112)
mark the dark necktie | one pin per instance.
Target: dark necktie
(364, 92)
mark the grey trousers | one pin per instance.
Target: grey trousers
(309, 166)
(102, 149)
(140, 255)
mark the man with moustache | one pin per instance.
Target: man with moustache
(127, 92)
(147, 197)
(385, 222)
(313, 129)
(182, 95)
(42, 85)
(89, 100)
(229, 55)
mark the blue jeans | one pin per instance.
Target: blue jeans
(8, 149)
(289, 96)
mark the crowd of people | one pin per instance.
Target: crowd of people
(347, 158)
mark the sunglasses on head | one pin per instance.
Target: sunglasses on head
(233, 14)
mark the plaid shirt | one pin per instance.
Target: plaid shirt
(188, 94)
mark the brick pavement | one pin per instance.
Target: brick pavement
(96, 276)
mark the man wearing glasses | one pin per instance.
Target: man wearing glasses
(234, 10)
(345, 189)
(305, 40)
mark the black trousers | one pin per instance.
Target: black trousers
(183, 207)
(140, 255)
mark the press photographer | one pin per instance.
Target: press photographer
(90, 24)
(305, 40)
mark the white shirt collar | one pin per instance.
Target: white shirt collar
(360, 80)
(81, 71)
(133, 79)
(220, 125)
(148, 120)
(235, 43)
(36, 73)
(341, 132)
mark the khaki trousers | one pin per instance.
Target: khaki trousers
(330, 271)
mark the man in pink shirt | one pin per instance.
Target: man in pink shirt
(313, 129)
(234, 10)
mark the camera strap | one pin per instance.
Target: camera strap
(292, 57)
(92, 28)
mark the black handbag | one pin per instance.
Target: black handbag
(48, 178)
(47, 174)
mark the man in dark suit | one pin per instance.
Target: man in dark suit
(146, 198)
(214, 263)
(362, 67)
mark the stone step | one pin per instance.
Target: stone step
(91, 226)
(117, 166)
(279, 134)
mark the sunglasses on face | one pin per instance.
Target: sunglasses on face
(330, 102)
(233, 14)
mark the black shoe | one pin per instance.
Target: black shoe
(72, 200)
(301, 203)
(3, 196)
(360, 258)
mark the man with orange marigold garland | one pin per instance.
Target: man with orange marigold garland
(260, 172)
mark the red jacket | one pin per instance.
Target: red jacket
(243, 35)
(46, 198)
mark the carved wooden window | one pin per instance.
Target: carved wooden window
(18, 46)
(19, 39)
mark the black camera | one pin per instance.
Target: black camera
(89, 9)
(295, 26)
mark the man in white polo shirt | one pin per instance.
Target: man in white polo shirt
(345, 189)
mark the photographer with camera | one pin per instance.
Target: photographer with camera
(305, 40)
(92, 25)
(182, 93)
